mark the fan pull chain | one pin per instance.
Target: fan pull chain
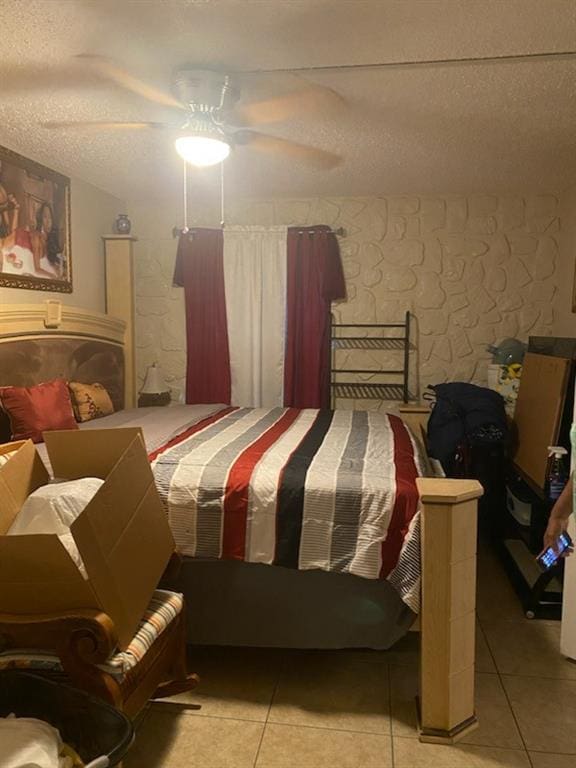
(222, 217)
(185, 197)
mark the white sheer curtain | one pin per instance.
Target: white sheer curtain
(255, 282)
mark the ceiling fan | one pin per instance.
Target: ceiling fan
(213, 120)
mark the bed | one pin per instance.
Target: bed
(298, 489)
(336, 510)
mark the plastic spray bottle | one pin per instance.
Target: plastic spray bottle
(557, 476)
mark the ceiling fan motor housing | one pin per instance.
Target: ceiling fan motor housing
(205, 90)
(203, 123)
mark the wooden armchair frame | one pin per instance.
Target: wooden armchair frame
(84, 639)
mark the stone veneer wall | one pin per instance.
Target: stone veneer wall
(471, 270)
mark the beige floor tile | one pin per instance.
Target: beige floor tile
(170, 740)
(287, 746)
(405, 651)
(545, 711)
(497, 726)
(528, 648)
(216, 654)
(496, 599)
(403, 691)
(410, 753)
(237, 683)
(138, 721)
(541, 760)
(325, 691)
(484, 660)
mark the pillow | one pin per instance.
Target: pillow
(90, 401)
(33, 410)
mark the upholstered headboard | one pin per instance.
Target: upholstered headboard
(48, 341)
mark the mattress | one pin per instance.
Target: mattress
(300, 488)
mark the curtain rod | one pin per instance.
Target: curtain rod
(340, 232)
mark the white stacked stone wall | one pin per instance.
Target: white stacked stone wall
(471, 270)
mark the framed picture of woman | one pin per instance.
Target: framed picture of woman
(34, 225)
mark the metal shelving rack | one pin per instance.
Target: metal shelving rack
(355, 337)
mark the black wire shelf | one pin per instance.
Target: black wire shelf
(367, 342)
(358, 391)
(366, 337)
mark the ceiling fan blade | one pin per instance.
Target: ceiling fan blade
(111, 71)
(31, 78)
(313, 99)
(91, 125)
(316, 158)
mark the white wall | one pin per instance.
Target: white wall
(472, 270)
(92, 215)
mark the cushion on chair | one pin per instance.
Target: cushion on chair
(161, 612)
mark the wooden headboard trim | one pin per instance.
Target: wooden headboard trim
(55, 318)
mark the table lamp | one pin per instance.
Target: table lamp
(154, 391)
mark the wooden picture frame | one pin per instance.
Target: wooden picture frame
(35, 249)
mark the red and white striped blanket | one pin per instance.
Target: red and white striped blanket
(331, 490)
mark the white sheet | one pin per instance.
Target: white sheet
(29, 743)
(53, 508)
(159, 424)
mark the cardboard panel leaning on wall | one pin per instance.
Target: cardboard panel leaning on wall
(538, 414)
(92, 215)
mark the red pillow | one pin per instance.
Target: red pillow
(33, 410)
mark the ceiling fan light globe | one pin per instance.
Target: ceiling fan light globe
(202, 151)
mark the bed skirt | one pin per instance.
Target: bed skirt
(249, 604)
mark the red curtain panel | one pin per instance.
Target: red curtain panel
(315, 279)
(200, 270)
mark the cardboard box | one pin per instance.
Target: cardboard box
(122, 535)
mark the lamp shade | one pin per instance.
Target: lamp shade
(154, 383)
(202, 151)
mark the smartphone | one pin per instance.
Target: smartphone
(550, 556)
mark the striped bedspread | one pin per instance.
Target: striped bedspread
(307, 489)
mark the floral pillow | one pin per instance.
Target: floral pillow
(90, 401)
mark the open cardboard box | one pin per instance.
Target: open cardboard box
(122, 535)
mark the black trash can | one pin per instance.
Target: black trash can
(94, 729)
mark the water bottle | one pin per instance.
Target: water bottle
(557, 476)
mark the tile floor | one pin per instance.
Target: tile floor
(355, 709)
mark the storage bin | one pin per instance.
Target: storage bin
(100, 734)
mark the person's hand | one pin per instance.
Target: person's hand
(556, 527)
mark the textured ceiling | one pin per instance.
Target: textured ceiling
(458, 128)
